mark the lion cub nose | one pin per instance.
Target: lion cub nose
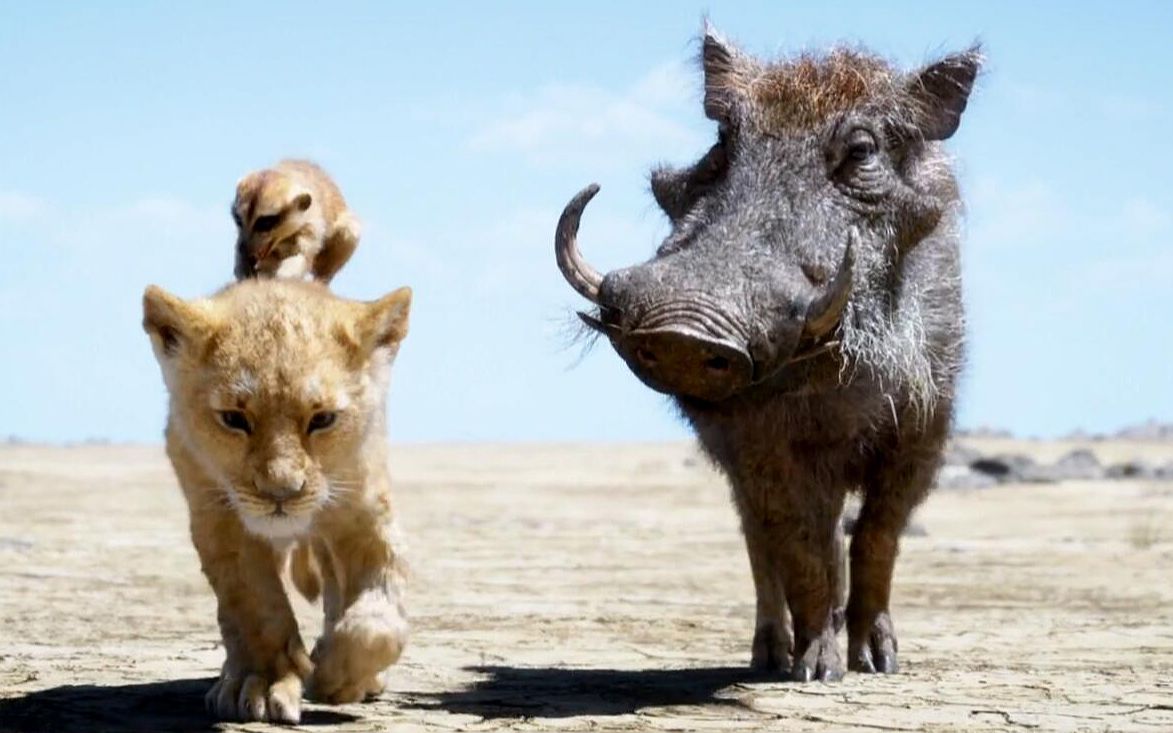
(280, 491)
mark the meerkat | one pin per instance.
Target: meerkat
(292, 222)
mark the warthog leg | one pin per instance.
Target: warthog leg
(771, 639)
(808, 545)
(837, 571)
(894, 488)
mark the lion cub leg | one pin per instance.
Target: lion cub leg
(366, 627)
(266, 660)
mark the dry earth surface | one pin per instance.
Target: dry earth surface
(600, 588)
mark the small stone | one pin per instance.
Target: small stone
(1079, 465)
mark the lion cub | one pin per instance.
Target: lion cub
(292, 221)
(276, 432)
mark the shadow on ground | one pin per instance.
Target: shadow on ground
(155, 707)
(559, 692)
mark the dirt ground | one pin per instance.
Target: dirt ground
(599, 588)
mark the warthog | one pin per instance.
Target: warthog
(805, 315)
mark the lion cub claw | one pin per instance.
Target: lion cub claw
(273, 694)
(251, 697)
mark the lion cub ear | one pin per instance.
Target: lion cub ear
(171, 322)
(384, 322)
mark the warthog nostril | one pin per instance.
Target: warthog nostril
(717, 364)
(646, 357)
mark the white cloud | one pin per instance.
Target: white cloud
(577, 123)
(170, 211)
(1004, 215)
(167, 223)
(1112, 108)
(1112, 253)
(1008, 215)
(19, 207)
(119, 248)
(1131, 275)
(1143, 218)
(669, 85)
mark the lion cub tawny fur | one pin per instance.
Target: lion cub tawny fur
(292, 221)
(276, 431)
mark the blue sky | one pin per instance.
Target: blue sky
(458, 131)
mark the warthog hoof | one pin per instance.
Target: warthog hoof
(818, 658)
(874, 649)
(771, 648)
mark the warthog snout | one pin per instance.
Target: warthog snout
(677, 362)
(693, 339)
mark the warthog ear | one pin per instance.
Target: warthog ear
(940, 92)
(172, 323)
(384, 323)
(727, 74)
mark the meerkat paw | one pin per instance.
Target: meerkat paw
(349, 658)
(295, 267)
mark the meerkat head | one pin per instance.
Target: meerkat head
(276, 217)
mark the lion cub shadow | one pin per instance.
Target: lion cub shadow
(560, 692)
(175, 706)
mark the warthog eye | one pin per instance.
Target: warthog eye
(235, 420)
(321, 421)
(266, 223)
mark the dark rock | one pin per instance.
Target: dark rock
(915, 529)
(1078, 465)
(1013, 468)
(1150, 430)
(851, 517)
(1136, 469)
(984, 432)
(963, 477)
(957, 454)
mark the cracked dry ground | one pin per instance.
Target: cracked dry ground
(598, 588)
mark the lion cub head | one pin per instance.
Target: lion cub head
(276, 390)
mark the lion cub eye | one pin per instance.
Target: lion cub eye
(235, 420)
(321, 421)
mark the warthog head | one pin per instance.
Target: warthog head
(825, 173)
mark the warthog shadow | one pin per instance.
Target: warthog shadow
(559, 692)
(176, 706)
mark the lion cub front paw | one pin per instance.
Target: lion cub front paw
(269, 691)
(252, 696)
(349, 658)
